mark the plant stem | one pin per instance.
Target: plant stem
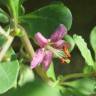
(9, 40)
(64, 82)
(77, 75)
(6, 47)
(6, 34)
(28, 47)
(27, 44)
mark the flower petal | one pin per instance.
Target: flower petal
(59, 33)
(47, 60)
(59, 44)
(41, 40)
(37, 58)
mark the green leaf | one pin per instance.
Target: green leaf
(70, 40)
(8, 75)
(26, 75)
(93, 39)
(84, 86)
(87, 69)
(3, 16)
(13, 6)
(9, 69)
(36, 88)
(51, 72)
(21, 10)
(85, 52)
(46, 19)
(71, 92)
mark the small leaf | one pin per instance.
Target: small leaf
(87, 69)
(84, 86)
(93, 39)
(70, 40)
(3, 16)
(26, 75)
(8, 75)
(51, 72)
(85, 52)
(46, 19)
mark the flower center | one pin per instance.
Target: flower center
(62, 54)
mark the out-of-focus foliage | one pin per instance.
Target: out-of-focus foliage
(81, 87)
(46, 19)
(26, 75)
(93, 39)
(3, 16)
(8, 72)
(37, 88)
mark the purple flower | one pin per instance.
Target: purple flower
(59, 44)
(38, 57)
(47, 60)
(43, 58)
(59, 33)
(55, 39)
(41, 40)
(52, 47)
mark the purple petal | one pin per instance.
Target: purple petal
(37, 58)
(59, 33)
(41, 40)
(59, 44)
(47, 60)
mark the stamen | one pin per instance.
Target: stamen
(57, 53)
(66, 51)
(64, 60)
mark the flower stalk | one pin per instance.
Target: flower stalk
(26, 43)
(29, 49)
(78, 75)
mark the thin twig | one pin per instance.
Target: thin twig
(27, 44)
(6, 47)
(77, 75)
(2, 32)
(29, 49)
